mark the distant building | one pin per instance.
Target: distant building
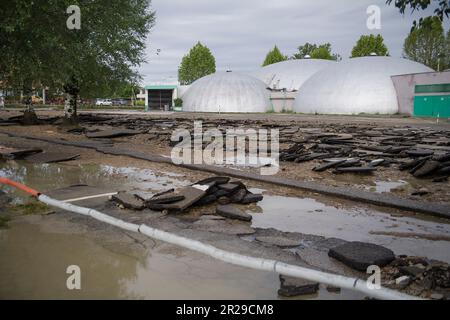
(227, 92)
(424, 94)
(285, 78)
(355, 86)
(160, 96)
(364, 85)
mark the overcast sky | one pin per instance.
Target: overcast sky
(241, 32)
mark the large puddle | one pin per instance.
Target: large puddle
(34, 259)
(33, 265)
(406, 234)
(34, 262)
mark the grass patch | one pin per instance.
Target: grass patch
(32, 207)
(4, 222)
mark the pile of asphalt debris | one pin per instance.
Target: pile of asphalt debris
(424, 152)
(416, 276)
(215, 190)
(342, 148)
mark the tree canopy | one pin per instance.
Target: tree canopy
(368, 44)
(442, 7)
(427, 44)
(93, 60)
(274, 56)
(199, 62)
(322, 51)
(448, 48)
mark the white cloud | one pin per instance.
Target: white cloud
(240, 32)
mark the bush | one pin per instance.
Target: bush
(178, 102)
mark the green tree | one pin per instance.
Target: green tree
(442, 7)
(315, 51)
(304, 50)
(368, 44)
(91, 61)
(28, 47)
(274, 56)
(427, 44)
(448, 49)
(199, 62)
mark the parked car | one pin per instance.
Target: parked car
(120, 102)
(104, 102)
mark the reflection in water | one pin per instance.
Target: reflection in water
(33, 265)
(34, 259)
(388, 186)
(309, 216)
(46, 177)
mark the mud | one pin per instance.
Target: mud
(297, 227)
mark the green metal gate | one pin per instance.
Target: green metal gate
(435, 104)
(432, 106)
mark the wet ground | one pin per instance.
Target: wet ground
(157, 128)
(37, 249)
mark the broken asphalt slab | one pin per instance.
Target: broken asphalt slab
(17, 154)
(386, 200)
(232, 212)
(188, 195)
(281, 242)
(231, 227)
(51, 157)
(114, 133)
(128, 201)
(88, 196)
(360, 255)
(293, 287)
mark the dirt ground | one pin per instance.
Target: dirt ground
(325, 221)
(156, 141)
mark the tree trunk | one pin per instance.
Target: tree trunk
(70, 105)
(27, 90)
(29, 115)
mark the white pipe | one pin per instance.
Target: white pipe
(89, 212)
(234, 258)
(91, 197)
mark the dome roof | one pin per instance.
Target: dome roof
(227, 92)
(291, 74)
(354, 86)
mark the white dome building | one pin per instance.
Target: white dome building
(227, 92)
(355, 86)
(291, 74)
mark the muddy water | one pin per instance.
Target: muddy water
(33, 265)
(36, 250)
(47, 177)
(35, 254)
(310, 216)
(34, 260)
